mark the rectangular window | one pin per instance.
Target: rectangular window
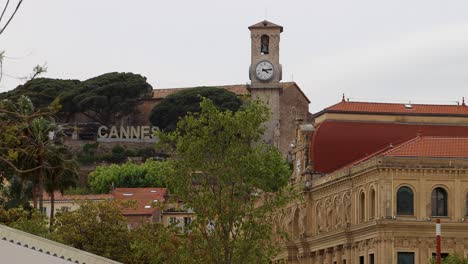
(405, 257)
(361, 259)
(44, 210)
(65, 209)
(172, 220)
(344, 261)
(442, 255)
(371, 258)
(187, 220)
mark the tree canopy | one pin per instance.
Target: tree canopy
(32, 146)
(41, 91)
(107, 97)
(149, 174)
(221, 171)
(167, 113)
(103, 98)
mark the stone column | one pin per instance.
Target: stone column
(319, 257)
(339, 254)
(312, 257)
(329, 254)
(347, 253)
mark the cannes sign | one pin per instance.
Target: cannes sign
(126, 134)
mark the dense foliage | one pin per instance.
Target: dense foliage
(107, 97)
(452, 259)
(99, 228)
(221, 171)
(166, 114)
(32, 148)
(41, 91)
(103, 98)
(149, 174)
(31, 221)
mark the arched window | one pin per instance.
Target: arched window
(372, 205)
(405, 203)
(439, 202)
(265, 44)
(362, 207)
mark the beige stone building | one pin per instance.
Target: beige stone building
(373, 179)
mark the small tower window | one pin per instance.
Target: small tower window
(265, 43)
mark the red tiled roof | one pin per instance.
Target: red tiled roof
(144, 198)
(338, 143)
(437, 147)
(59, 197)
(389, 108)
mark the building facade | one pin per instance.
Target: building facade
(373, 179)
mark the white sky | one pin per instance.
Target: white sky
(398, 50)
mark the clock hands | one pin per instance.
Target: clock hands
(266, 70)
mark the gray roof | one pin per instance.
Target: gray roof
(20, 247)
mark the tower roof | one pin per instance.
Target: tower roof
(266, 24)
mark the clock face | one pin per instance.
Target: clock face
(264, 70)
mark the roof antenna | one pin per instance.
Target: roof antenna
(463, 101)
(343, 98)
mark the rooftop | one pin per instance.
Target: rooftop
(237, 89)
(145, 199)
(393, 108)
(20, 247)
(336, 144)
(432, 147)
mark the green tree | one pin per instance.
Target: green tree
(452, 259)
(224, 173)
(31, 221)
(33, 147)
(107, 97)
(155, 243)
(96, 227)
(167, 113)
(149, 174)
(41, 91)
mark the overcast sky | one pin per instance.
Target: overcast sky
(398, 50)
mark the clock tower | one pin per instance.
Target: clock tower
(265, 74)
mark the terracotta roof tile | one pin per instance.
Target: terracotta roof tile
(336, 144)
(437, 147)
(238, 89)
(390, 108)
(144, 198)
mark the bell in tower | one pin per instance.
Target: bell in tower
(265, 68)
(265, 42)
(265, 75)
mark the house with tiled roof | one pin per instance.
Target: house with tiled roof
(374, 178)
(141, 205)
